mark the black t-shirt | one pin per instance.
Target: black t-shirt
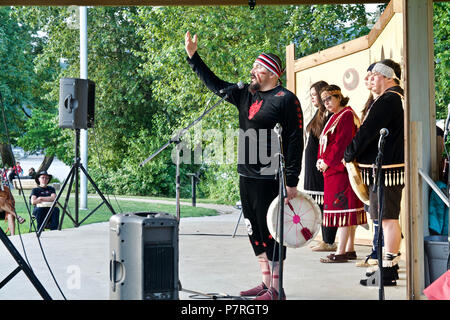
(259, 112)
(43, 192)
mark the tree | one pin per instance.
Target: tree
(28, 110)
(124, 106)
(16, 80)
(317, 27)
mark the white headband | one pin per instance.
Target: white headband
(385, 70)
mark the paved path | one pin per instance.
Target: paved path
(210, 261)
(221, 208)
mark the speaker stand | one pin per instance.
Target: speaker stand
(74, 175)
(22, 266)
(238, 206)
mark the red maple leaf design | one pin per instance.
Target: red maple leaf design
(254, 108)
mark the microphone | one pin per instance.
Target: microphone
(278, 129)
(238, 85)
(383, 134)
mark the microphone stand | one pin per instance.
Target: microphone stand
(176, 140)
(378, 187)
(281, 197)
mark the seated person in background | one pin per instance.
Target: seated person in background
(42, 198)
(11, 175)
(31, 173)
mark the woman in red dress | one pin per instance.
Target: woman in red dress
(342, 208)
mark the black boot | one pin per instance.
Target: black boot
(395, 267)
(390, 274)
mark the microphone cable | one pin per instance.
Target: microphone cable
(10, 193)
(29, 212)
(102, 171)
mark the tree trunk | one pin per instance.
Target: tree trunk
(7, 155)
(46, 163)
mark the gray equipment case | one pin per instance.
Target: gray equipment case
(143, 256)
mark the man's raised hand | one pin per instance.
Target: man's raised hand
(190, 44)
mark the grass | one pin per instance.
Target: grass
(189, 200)
(103, 214)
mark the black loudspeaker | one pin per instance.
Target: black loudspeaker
(143, 256)
(76, 103)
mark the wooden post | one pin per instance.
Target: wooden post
(290, 72)
(414, 220)
(419, 126)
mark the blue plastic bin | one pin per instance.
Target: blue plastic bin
(436, 257)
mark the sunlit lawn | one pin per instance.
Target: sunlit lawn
(103, 213)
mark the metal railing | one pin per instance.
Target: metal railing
(443, 197)
(433, 185)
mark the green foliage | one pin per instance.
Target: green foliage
(30, 111)
(16, 72)
(42, 133)
(227, 187)
(157, 177)
(317, 27)
(441, 29)
(103, 214)
(124, 105)
(228, 42)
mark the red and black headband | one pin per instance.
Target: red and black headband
(270, 64)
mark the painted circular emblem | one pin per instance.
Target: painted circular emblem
(350, 79)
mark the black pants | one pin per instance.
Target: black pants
(392, 196)
(329, 234)
(41, 213)
(256, 197)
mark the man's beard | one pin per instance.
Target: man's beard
(254, 86)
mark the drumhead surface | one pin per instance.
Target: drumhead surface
(302, 220)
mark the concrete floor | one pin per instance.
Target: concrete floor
(210, 261)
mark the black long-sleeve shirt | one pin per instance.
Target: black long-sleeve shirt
(259, 112)
(386, 112)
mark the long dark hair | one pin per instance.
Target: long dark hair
(370, 99)
(367, 105)
(316, 125)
